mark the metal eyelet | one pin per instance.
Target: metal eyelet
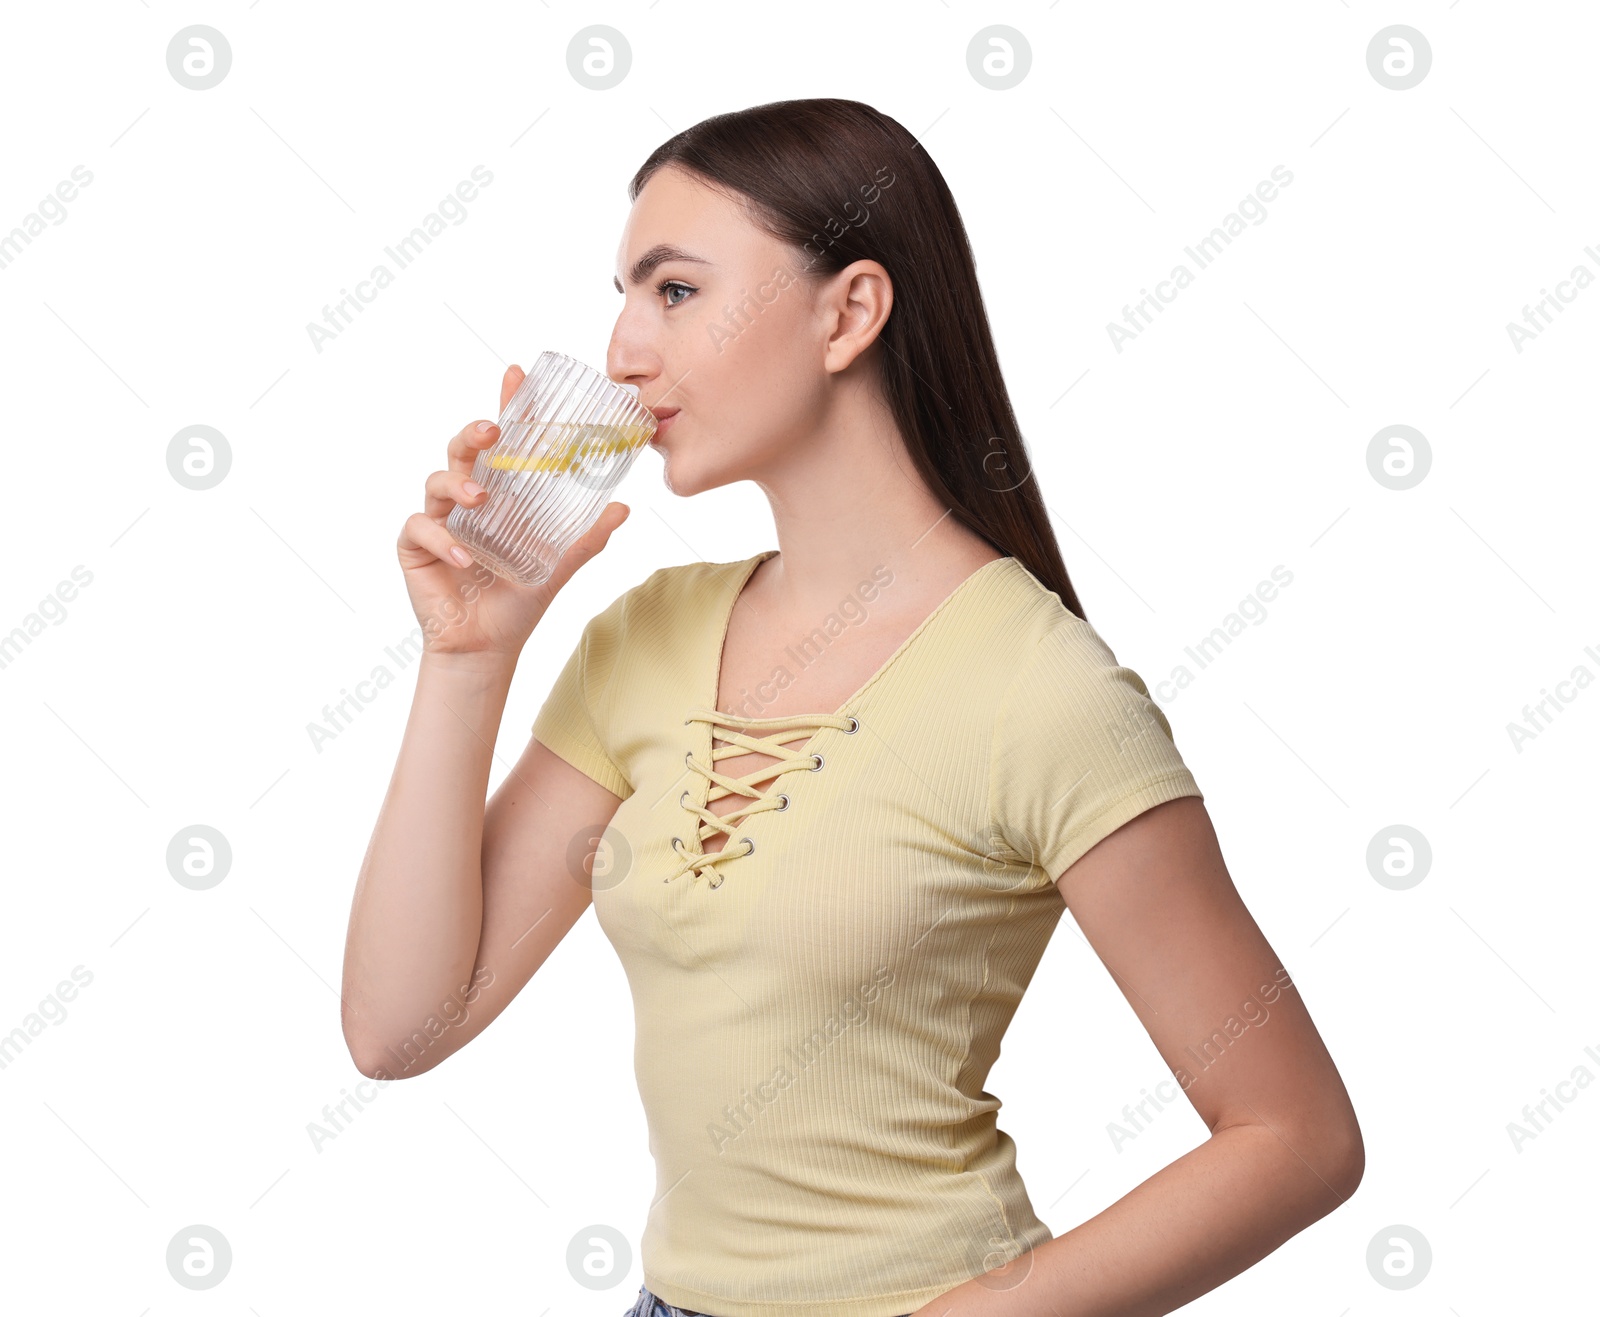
(677, 842)
(687, 756)
(785, 798)
(713, 885)
(750, 844)
(855, 726)
(681, 795)
(818, 764)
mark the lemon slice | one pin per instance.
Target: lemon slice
(588, 444)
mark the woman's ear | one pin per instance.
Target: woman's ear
(857, 302)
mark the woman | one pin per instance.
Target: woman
(839, 793)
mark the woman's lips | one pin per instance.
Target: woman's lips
(662, 426)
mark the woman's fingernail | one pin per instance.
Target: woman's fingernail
(461, 556)
(485, 426)
(471, 488)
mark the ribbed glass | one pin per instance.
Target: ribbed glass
(567, 437)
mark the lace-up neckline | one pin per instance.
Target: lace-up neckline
(739, 733)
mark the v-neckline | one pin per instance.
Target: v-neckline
(759, 725)
(719, 653)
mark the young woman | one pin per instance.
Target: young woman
(830, 801)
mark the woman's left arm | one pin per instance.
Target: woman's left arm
(1157, 904)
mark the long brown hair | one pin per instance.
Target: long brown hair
(842, 182)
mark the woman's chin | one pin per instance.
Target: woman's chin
(672, 472)
(685, 479)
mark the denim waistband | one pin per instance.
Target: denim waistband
(648, 1305)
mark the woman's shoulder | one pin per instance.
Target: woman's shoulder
(1022, 609)
(684, 584)
(671, 606)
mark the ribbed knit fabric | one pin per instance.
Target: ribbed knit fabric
(816, 1018)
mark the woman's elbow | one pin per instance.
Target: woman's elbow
(1341, 1160)
(1352, 1162)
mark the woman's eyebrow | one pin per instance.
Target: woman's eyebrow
(658, 255)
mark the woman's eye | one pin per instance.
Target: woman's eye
(666, 284)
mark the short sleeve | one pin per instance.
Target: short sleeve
(570, 720)
(1079, 749)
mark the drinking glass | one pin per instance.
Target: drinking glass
(567, 437)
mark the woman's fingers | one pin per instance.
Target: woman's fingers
(471, 440)
(445, 489)
(510, 382)
(421, 531)
(475, 436)
(424, 532)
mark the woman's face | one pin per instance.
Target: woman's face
(733, 339)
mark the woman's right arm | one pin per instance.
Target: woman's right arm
(457, 905)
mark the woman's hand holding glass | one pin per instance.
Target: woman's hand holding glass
(463, 607)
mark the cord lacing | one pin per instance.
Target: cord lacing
(736, 731)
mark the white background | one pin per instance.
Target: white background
(177, 687)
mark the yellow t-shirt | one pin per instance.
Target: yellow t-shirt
(817, 1009)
